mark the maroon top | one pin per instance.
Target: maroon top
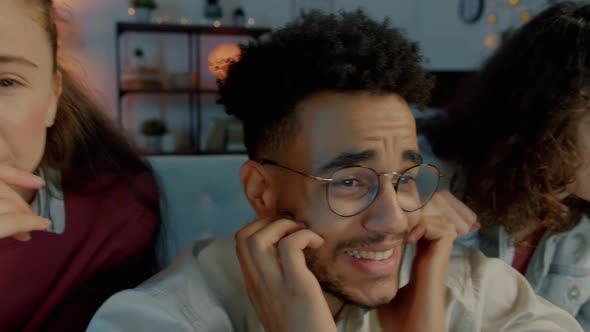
(524, 251)
(56, 282)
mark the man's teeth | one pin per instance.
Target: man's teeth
(374, 255)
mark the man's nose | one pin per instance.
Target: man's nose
(385, 214)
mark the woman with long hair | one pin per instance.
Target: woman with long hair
(519, 140)
(79, 208)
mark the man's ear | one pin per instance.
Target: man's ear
(259, 188)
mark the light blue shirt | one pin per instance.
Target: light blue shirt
(559, 269)
(49, 201)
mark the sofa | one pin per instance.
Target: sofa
(201, 196)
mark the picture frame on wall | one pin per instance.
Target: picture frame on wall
(299, 7)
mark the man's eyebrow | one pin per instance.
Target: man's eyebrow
(412, 156)
(17, 59)
(347, 159)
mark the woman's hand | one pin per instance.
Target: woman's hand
(445, 205)
(17, 219)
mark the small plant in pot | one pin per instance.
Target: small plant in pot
(143, 9)
(138, 58)
(153, 129)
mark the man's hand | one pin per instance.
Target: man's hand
(445, 205)
(16, 218)
(284, 292)
(420, 305)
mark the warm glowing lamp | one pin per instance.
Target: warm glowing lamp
(220, 57)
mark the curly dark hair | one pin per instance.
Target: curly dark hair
(347, 52)
(514, 129)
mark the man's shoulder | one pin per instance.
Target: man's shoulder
(201, 290)
(207, 266)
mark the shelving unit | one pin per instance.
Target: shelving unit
(193, 35)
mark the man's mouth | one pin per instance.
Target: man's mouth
(372, 255)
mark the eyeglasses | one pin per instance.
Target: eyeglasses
(351, 190)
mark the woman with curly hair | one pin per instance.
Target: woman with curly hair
(521, 135)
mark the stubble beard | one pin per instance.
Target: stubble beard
(334, 285)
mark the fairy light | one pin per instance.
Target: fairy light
(491, 41)
(492, 18)
(526, 16)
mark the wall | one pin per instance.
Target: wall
(447, 43)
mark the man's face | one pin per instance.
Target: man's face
(361, 257)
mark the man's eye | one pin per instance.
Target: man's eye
(349, 182)
(405, 179)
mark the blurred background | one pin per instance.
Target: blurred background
(154, 63)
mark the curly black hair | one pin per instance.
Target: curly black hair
(514, 129)
(346, 52)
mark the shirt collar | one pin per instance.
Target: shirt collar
(49, 201)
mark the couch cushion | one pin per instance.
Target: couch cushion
(201, 197)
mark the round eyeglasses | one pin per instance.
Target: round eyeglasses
(352, 189)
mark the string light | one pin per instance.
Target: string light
(492, 18)
(526, 16)
(491, 42)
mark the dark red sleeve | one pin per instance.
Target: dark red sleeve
(56, 282)
(130, 264)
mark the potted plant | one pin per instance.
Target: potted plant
(153, 129)
(143, 9)
(138, 58)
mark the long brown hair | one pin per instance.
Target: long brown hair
(514, 130)
(83, 142)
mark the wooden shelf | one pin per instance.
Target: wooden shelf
(194, 34)
(165, 91)
(192, 153)
(181, 28)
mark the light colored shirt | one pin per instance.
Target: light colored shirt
(204, 291)
(559, 269)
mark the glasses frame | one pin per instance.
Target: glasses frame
(394, 175)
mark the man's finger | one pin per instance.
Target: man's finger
(263, 249)
(269, 237)
(245, 258)
(292, 256)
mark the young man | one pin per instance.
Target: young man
(338, 185)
